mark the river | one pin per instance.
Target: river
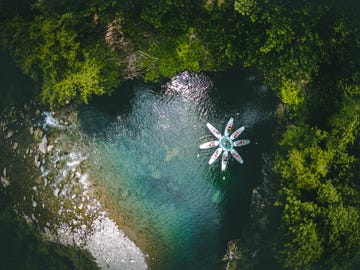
(141, 147)
(144, 151)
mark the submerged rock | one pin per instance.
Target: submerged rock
(37, 161)
(43, 145)
(38, 134)
(56, 192)
(9, 134)
(15, 145)
(238, 257)
(50, 148)
(4, 181)
(27, 107)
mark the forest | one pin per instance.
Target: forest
(307, 52)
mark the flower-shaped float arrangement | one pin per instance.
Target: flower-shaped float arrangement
(226, 144)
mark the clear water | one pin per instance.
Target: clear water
(146, 153)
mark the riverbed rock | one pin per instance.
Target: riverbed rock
(31, 130)
(50, 148)
(4, 171)
(9, 134)
(36, 160)
(238, 256)
(15, 145)
(56, 192)
(4, 181)
(71, 117)
(26, 107)
(38, 180)
(47, 231)
(38, 134)
(43, 145)
(77, 175)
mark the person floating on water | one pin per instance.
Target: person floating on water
(226, 144)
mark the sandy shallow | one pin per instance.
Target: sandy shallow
(57, 193)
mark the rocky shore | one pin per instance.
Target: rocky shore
(42, 167)
(251, 251)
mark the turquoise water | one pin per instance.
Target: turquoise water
(146, 153)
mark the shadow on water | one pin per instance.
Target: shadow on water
(15, 87)
(146, 139)
(243, 179)
(251, 104)
(119, 102)
(110, 109)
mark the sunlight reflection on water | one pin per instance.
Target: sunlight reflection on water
(150, 163)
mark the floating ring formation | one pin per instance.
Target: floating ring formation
(226, 144)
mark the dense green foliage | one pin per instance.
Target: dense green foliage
(307, 51)
(319, 190)
(22, 247)
(318, 159)
(54, 49)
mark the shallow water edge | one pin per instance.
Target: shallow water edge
(50, 187)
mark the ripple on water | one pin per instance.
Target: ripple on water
(150, 163)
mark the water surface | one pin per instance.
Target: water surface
(146, 154)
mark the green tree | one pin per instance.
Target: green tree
(301, 245)
(170, 56)
(304, 163)
(50, 51)
(296, 40)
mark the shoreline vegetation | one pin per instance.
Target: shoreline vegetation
(307, 52)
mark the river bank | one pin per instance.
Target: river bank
(43, 171)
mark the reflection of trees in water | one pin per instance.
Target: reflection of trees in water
(15, 87)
